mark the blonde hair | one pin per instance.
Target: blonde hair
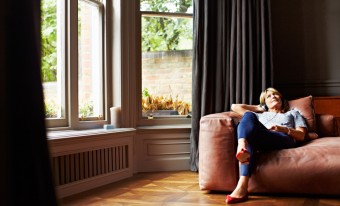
(285, 105)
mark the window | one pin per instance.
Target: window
(73, 64)
(166, 58)
(90, 64)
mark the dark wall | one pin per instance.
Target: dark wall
(306, 47)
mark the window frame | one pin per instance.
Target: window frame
(61, 122)
(69, 48)
(140, 120)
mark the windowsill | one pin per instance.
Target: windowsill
(52, 135)
(67, 134)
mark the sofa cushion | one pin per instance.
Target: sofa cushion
(326, 126)
(312, 168)
(217, 148)
(305, 106)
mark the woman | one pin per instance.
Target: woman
(261, 130)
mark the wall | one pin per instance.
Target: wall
(162, 149)
(168, 72)
(306, 47)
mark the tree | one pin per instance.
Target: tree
(158, 33)
(165, 33)
(49, 40)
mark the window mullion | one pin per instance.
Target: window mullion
(73, 62)
(63, 57)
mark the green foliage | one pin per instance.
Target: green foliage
(51, 109)
(166, 5)
(158, 33)
(145, 92)
(49, 40)
(86, 110)
(164, 34)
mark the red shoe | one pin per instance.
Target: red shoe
(230, 200)
(243, 156)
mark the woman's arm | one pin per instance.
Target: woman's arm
(298, 133)
(243, 108)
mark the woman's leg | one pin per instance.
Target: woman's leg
(246, 127)
(246, 132)
(253, 135)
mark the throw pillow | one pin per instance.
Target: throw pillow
(305, 106)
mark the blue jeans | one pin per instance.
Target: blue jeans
(259, 138)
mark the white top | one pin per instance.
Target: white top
(292, 119)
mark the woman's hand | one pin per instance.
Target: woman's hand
(260, 109)
(278, 128)
(298, 133)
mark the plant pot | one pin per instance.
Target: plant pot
(160, 113)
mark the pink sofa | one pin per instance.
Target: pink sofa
(312, 168)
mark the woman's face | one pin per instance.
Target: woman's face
(273, 101)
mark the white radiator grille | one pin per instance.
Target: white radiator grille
(79, 166)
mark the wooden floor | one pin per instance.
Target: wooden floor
(176, 189)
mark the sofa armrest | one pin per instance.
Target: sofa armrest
(326, 125)
(218, 168)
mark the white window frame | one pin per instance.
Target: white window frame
(140, 120)
(70, 65)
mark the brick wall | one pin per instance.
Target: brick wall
(168, 72)
(85, 55)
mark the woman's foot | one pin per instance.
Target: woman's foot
(230, 200)
(240, 194)
(242, 154)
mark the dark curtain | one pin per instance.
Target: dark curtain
(232, 58)
(25, 168)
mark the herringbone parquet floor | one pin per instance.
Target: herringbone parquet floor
(176, 189)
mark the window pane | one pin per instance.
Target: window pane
(90, 62)
(51, 60)
(181, 6)
(166, 66)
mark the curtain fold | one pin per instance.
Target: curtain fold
(232, 58)
(26, 177)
